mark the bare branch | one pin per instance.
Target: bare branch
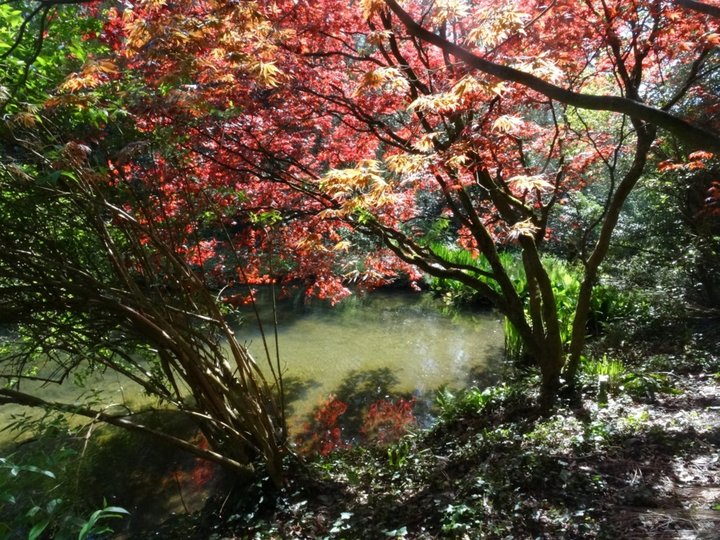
(8, 396)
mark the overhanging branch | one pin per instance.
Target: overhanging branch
(8, 396)
(695, 136)
(700, 7)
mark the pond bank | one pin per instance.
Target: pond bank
(646, 465)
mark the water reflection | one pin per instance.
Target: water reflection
(389, 343)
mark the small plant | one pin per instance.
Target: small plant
(398, 453)
(635, 422)
(27, 510)
(613, 370)
(34, 517)
(559, 433)
(647, 385)
(448, 403)
(459, 518)
(638, 384)
(472, 401)
(93, 527)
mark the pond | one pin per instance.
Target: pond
(384, 345)
(401, 343)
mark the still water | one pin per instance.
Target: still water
(384, 344)
(388, 343)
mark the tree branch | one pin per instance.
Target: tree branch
(700, 7)
(695, 136)
(8, 396)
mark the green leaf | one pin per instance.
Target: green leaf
(33, 511)
(38, 529)
(52, 505)
(91, 525)
(116, 510)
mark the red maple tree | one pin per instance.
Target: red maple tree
(298, 137)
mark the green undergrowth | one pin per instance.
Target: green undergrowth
(45, 489)
(76, 481)
(610, 306)
(492, 467)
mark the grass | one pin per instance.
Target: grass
(613, 369)
(565, 279)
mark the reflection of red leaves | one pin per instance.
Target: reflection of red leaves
(328, 414)
(387, 421)
(237, 300)
(323, 435)
(203, 470)
(202, 473)
(194, 475)
(384, 422)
